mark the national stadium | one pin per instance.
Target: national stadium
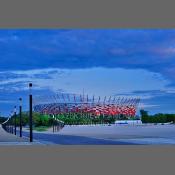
(86, 106)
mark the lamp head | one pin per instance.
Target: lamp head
(30, 85)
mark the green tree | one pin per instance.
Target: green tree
(144, 116)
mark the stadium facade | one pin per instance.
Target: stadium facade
(83, 105)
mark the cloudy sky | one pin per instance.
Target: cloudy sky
(102, 62)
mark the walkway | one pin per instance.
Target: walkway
(10, 139)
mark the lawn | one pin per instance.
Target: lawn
(41, 128)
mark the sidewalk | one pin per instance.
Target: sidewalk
(11, 139)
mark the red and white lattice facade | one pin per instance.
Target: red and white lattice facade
(65, 103)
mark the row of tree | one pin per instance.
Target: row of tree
(68, 119)
(157, 118)
(38, 119)
(2, 119)
(78, 119)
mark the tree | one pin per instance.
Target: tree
(144, 116)
(2, 119)
(143, 112)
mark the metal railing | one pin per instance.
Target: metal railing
(8, 126)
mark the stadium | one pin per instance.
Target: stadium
(84, 106)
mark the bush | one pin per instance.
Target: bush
(157, 118)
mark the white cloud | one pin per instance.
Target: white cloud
(145, 106)
(98, 81)
(7, 101)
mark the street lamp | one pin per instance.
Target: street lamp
(15, 118)
(53, 123)
(11, 119)
(30, 112)
(20, 116)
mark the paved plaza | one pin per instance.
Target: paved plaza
(133, 134)
(96, 135)
(112, 135)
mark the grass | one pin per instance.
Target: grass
(41, 128)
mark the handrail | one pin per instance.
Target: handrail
(6, 121)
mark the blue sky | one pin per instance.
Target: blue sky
(137, 63)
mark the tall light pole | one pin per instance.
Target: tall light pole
(11, 121)
(15, 118)
(20, 116)
(53, 123)
(30, 113)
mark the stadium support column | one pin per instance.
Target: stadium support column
(30, 113)
(20, 116)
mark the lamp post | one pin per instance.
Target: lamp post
(11, 122)
(53, 123)
(15, 118)
(20, 116)
(30, 112)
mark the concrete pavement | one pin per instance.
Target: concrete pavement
(148, 134)
(11, 139)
